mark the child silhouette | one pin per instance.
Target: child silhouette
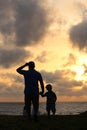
(51, 99)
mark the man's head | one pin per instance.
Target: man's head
(31, 65)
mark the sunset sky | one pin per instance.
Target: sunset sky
(53, 33)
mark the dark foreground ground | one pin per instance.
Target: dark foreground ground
(59, 122)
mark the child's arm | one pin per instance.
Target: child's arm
(43, 95)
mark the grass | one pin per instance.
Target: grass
(58, 122)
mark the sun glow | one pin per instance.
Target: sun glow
(80, 71)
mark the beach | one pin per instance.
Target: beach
(69, 116)
(58, 122)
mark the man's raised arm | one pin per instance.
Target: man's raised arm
(19, 69)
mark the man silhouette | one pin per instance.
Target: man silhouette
(31, 91)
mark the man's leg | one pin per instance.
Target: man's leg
(28, 104)
(35, 101)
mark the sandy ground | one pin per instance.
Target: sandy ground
(58, 122)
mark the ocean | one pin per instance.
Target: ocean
(62, 108)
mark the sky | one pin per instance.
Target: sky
(51, 33)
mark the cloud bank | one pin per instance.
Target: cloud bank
(11, 57)
(78, 35)
(63, 82)
(78, 32)
(26, 19)
(22, 23)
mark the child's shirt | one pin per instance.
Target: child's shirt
(51, 97)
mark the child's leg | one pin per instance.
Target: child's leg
(48, 113)
(48, 110)
(53, 109)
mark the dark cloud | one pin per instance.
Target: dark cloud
(11, 57)
(13, 77)
(66, 87)
(78, 35)
(63, 82)
(58, 75)
(6, 18)
(10, 90)
(78, 32)
(31, 22)
(25, 19)
(15, 87)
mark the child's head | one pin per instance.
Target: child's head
(49, 87)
